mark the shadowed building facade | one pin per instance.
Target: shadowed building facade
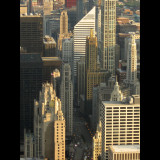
(31, 33)
(30, 85)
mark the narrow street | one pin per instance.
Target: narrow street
(83, 140)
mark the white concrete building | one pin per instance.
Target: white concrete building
(81, 31)
(131, 75)
(120, 123)
(124, 152)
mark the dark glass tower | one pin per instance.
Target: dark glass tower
(30, 85)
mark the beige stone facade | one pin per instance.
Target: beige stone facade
(124, 152)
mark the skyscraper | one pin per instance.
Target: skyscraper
(49, 125)
(81, 79)
(66, 96)
(108, 35)
(64, 22)
(31, 33)
(120, 123)
(94, 76)
(30, 85)
(63, 29)
(131, 76)
(81, 31)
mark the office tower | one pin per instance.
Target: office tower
(93, 75)
(66, 96)
(64, 22)
(79, 6)
(55, 80)
(59, 138)
(120, 123)
(49, 47)
(126, 44)
(100, 93)
(97, 142)
(30, 84)
(67, 53)
(98, 24)
(47, 7)
(31, 33)
(63, 29)
(67, 50)
(49, 65)
(91, 3)
(52, 27)
(72, 17)
(70, 3)
(49, 125)
(131, 76)
(116, 95)
(108, 37)
(124, 152)
(28, 144)
(81, 81)
(81, 31)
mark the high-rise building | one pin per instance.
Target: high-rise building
(63, 29)
(120, 123)
(131, 76)
(64, 22)
(31, 33)
(67, 53)
(100, 93)
(49, 47)
(97, 142)
(124, 152)
(93, 75)
(67, 50)
(49, 125)
(59, 138)
(108, 35)
(66, 96)
(70, 3)
(81, 31)
(81, 80)
(30, 85)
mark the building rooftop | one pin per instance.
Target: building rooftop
(51, 58)
(125, 148)
(48, 39)
(131, 100)
(30, 57)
